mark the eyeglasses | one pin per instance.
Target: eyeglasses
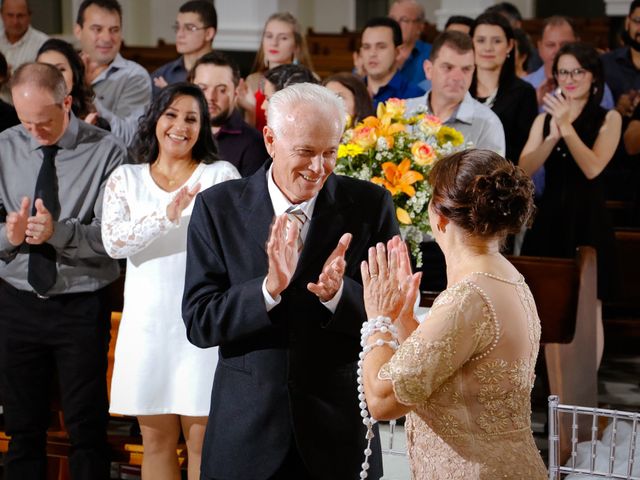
(575, 74)
(187, 27)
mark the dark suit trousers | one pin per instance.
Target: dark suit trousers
(68, 335)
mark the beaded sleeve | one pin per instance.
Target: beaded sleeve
(461, 327)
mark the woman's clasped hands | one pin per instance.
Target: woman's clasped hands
(390, 289)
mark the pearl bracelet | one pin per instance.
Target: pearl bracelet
(374, 325)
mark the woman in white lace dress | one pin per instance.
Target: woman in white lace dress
(158, 375)
(464, 376)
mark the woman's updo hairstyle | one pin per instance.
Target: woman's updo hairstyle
(482, 193)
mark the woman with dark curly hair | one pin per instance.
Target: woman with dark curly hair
(463, 376)
(574, 140)
(158, 375)
(64, 57)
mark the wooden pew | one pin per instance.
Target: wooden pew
(594, 31)
(332, 52)
(565, 292)
(151, 58)
(622, 311)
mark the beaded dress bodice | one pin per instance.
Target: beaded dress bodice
(468, 371)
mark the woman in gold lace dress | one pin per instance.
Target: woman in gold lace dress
(464, 376)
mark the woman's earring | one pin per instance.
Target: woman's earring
(295, 60)
(595, 89)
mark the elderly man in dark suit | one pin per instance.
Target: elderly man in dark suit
(283, 300)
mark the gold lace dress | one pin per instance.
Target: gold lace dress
(468, 371)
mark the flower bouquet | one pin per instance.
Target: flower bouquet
(397, 151)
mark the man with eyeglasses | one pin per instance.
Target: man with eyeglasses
(195, 27)
(413, 51)
(122, 87)
(622, 66)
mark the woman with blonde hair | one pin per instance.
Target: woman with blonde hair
(282, 43)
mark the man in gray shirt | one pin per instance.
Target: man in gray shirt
(450, 69)
(54, 313)
(122, 87)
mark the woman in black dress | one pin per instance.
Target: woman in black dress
(496, 84)
(574, 139)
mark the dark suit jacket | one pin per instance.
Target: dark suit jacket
(290, 374)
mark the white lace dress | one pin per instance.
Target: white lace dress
(157, 370)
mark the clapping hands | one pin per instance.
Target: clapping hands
(282, 250)
(181, 201)
(390, 289)
(559, 108)
(35, 230)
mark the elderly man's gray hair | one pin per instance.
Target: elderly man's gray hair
(323, 99)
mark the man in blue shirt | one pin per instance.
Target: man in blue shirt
(413, 51)
(381, 39)
(195, 29)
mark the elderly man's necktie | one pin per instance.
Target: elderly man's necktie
(42, 258)
(299, 218)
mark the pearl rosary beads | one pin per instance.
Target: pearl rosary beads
(383, 325)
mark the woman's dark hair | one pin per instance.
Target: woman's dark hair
(81, 92)
(524, 46)
(288, 74)
(362, 100)
(4, 69)
(508, 70)
(588, 58)
(481, 192)
(146, 146)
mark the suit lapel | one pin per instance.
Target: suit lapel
(256, 208)
(326, 227)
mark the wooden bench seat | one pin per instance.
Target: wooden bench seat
(621, 312)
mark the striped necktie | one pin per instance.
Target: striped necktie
(299, 218)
